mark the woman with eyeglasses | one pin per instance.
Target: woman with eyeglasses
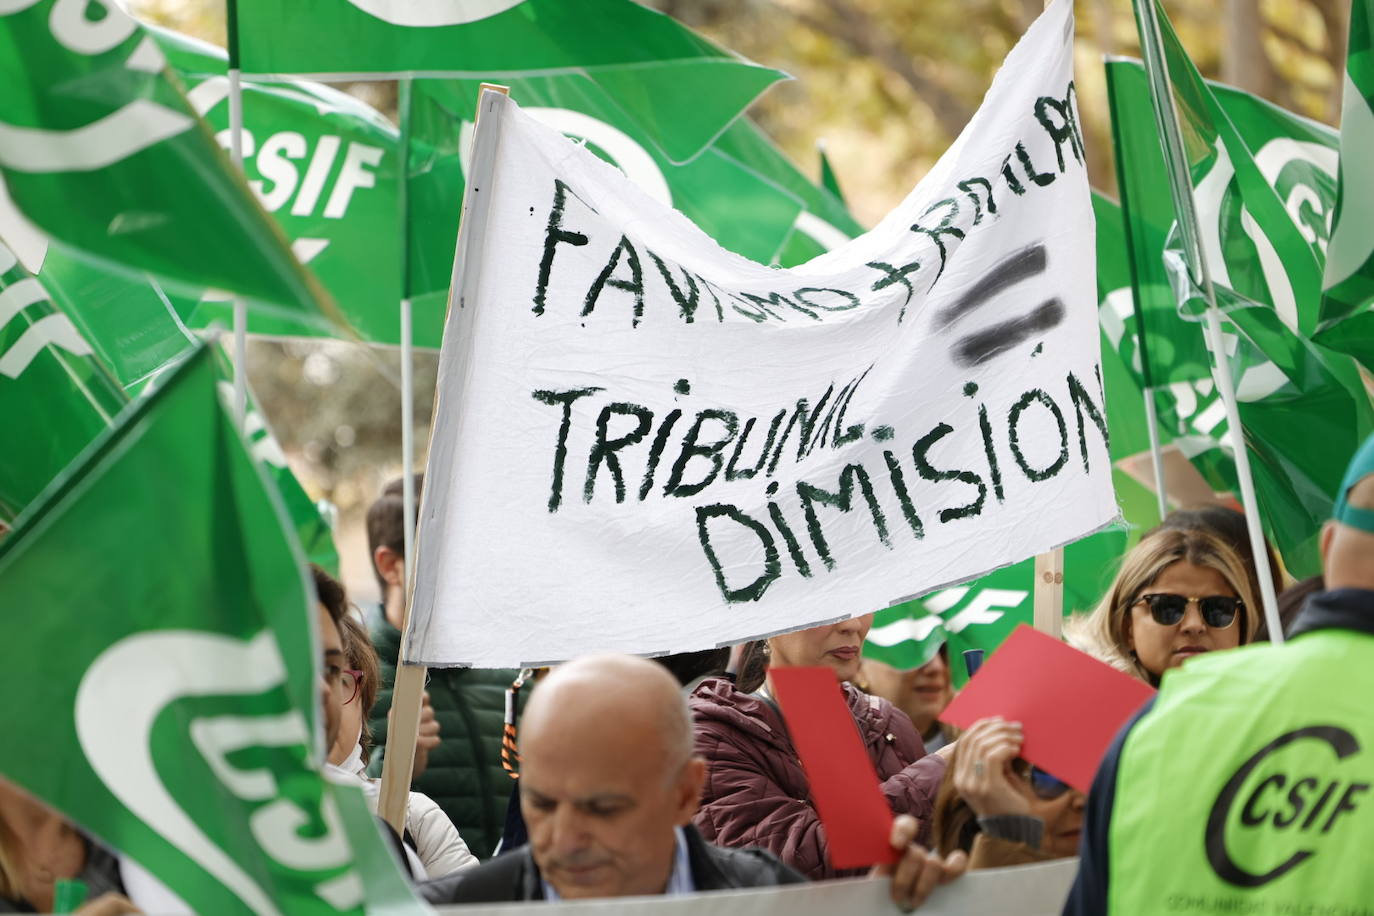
(998, 808)
(1179, 593)
(429, 832)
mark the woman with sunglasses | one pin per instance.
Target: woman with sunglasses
(998, 808)
(1179, 593)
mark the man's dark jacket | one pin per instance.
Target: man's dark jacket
(464, 777)
(514, 876)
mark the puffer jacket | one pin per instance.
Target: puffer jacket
(464, 776)
(756, 793)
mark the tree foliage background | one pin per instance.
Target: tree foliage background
(886, 84)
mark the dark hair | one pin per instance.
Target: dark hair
(362, 657)
(688, 666)
(1293, 598)
(330, 592)
(1229, 526)
(386, 522)
(753, 665)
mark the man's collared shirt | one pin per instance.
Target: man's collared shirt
(679, 880)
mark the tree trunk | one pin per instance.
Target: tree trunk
(1244, 63)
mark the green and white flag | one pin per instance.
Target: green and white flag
(741, 190)
(102, 151)
(1261, 182)
(1347, 310)
(327, 167)
(183, 713)
(677, 87)
(55, 397)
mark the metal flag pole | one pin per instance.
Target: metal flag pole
(1181, 186)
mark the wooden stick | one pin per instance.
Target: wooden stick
(1049, 578)
(1049, 592)
(407, 693)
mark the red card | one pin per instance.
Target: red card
(844, 784)
(1069, 704)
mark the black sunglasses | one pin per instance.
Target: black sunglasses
(1045, 786)
(1218, 611)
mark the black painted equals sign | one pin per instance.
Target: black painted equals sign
(981, 346)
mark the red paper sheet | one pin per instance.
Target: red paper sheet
(844, 784)
(1069, 704)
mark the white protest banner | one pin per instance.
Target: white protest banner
(1024, 890)
(646, 444)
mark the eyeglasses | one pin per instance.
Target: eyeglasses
(1045, 786)
(350, 680)
(1218, 611)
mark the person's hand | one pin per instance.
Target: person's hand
(983, 776)
(918, 872)
(110, 904)
(426, 739)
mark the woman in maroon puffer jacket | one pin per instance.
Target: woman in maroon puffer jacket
(756, 793)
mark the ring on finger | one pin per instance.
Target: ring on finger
(978, 768)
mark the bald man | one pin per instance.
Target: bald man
(608, 787)
(1247, 787)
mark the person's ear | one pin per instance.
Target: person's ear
(1328, 535)
(689, 788)
(390, 566)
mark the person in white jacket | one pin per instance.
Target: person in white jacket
(429, 831)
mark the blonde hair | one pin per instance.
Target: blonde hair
(1103, 633)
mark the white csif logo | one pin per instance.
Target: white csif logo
(121, 696)
(428, 13)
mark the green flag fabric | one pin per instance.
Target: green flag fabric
(1347, 309)
(1262, 184)
(1256, 253)
(741, 190)
(55, 397)
(326, 166)
(181, 717)
(678, 88)
(829, 180)
(101, 150)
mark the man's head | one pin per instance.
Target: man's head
(1348, 539)
(386, 537)
(606, 774)
(331, 605)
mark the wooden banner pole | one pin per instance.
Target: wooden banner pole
(407, 694)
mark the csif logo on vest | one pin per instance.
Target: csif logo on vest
(1285, 810)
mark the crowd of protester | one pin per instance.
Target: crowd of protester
(678, 775)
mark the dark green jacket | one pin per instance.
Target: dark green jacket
(464, 776)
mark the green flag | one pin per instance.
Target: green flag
(181, 715)
(741, 190)
(100, 338)
(55, 397)
(829, 180)
(326, 166)
(1347, 309)
(102, 151)
(678, 88)
(1261, 186)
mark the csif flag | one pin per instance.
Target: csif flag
(182, 714)
(103, 152)
(676, 86)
